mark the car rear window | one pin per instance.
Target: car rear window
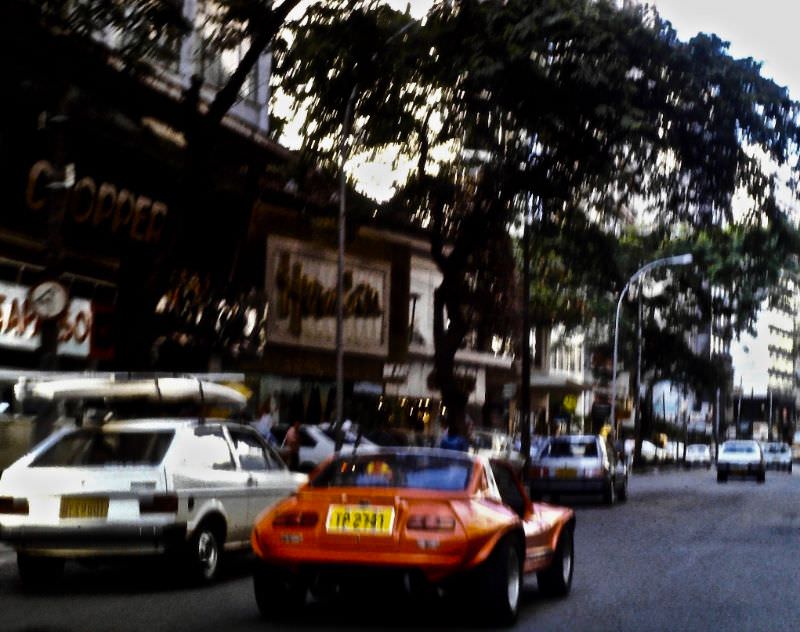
(739, 448)
(409, 471)
(92, 446)
(579, 448)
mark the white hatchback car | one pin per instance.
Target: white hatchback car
(190, 487)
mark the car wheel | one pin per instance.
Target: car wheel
(761, 476)
(610, 493)
(39, 572)
(204, 551)
(556, 579)
(722, 477)
(623, 491)
(500, 585)
(789, 468)
(278, 593)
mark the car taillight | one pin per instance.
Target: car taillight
(11, 505)
(296, 519)
(538, 472)
(430, 522)
(593, 472)
(159, 503)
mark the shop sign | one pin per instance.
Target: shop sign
(20, 327)
(100, 204)
(301, 284)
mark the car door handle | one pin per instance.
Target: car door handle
(251, 482)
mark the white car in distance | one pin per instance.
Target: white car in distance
(189, 487)
(740, 457)
(698, 455)
(778, 456)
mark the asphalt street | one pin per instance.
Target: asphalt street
(684, 553)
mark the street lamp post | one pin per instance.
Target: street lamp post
(677, 260)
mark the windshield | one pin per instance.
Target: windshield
(410, 471)
(94, 446)
(739, 448)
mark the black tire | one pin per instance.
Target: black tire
(610, 493)
(789, 468)
(204, 553)
(761, 477)
(500, 584)
(556, 579)
(39, 572)
(722, 477)
(279, 594)
(623, 491)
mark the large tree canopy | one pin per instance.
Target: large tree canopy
(575, 111)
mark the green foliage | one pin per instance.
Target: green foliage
(576, 111)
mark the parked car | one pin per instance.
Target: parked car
(698, 455)
(317, 443)
(188, 487)
(495, 444)
(422, 518)
(777, 456)
(740, 457)
(579, 464)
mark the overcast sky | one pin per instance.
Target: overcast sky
(765, 30)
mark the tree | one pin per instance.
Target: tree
(573, 109)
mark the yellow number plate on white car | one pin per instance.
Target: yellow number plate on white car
(83, 507)
(360, 519)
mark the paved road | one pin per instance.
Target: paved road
(684, 553)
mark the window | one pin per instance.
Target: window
(509, 491)
(209, 448)
(97, 447)
(253, 454)
(410, 471)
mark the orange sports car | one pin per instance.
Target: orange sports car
(429, 517)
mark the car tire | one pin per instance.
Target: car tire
(610, 493)
(500, 584)
(39, 572)
(789, 468)
(623, 491)
(722, 477)
(556, 579)
(279, 594)
(203, 553)
(761, 477)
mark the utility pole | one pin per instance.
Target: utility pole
(525, 390)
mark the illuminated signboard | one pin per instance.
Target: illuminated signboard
(301, 283)
(20, 328)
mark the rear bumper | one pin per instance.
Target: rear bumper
(89, 541)
(540, 486)
(741, 469)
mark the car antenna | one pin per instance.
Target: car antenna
(202, 401)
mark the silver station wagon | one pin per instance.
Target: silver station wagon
(190, 487)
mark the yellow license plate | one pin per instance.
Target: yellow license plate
(360, 519)
(566, 472)
(84, 507)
